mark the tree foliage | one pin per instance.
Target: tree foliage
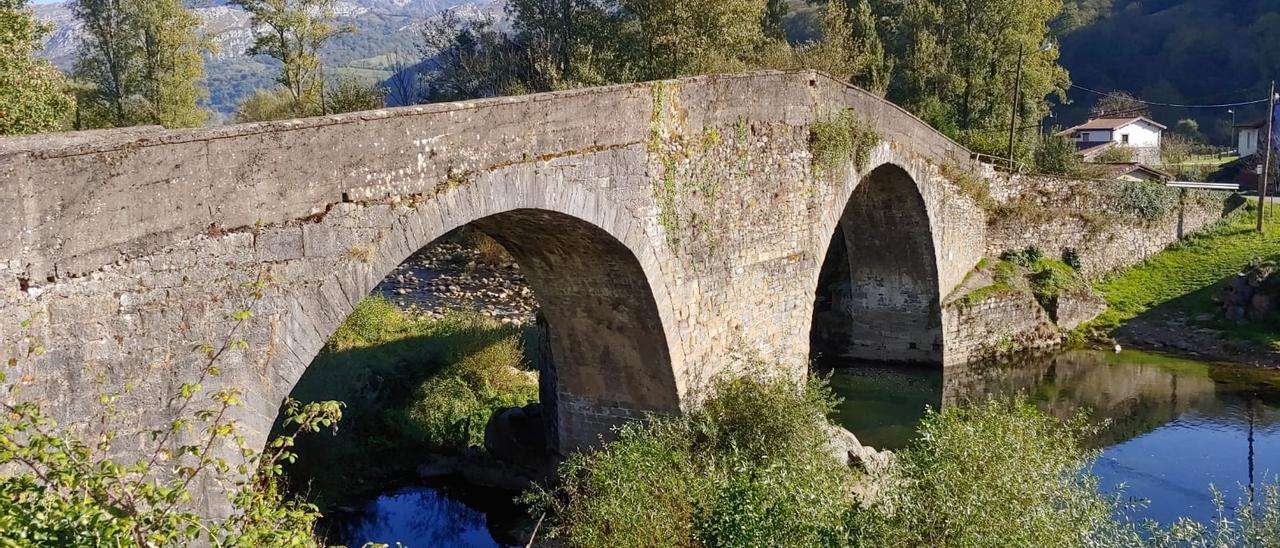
(295, 32)
(143, 61)
(66, 485)
(33, 96)
(959, 64)
(1118, 104)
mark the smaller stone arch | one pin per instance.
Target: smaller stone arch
(877, 294)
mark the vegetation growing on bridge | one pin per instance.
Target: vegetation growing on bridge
(841, 138)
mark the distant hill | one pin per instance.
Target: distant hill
(386, 38)
(1175, 51)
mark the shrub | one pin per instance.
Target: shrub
(841, 138)
(1057, 155)
(995, 474)
(1071, 257)
(412, 385)
(1115, 155)
(450, 410)
(1147, 200)
(63, 487)
(1025, 257)
(1050, 278)
(748, 469)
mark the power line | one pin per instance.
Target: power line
(1175, 105)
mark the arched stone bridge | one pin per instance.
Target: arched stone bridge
(667, 228)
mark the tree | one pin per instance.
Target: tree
(143, 61)
(958, 64)
(295, 31)
(172, 66)
(349, 94)
(1190, 129)
(1119, 104)
(33, 96)
(1057, 155)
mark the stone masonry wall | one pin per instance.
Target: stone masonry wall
(665, 227)
(997, 325)
(1089, 216)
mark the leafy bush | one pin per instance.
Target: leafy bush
(748, 469)
(1023, 257)
(1057, 155)
(841, 138)
(412, 385)
(995, 474)
(450, 410)
(1149, 201)
(1071, 257)
(63, 487)
(1050, 278)
(1115, 155)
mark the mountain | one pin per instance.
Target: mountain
(385, 39)
(1198, 52)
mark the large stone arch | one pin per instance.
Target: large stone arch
(878, 288)
(594, 273)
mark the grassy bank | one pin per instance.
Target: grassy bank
(411, 385)
(1181, 281)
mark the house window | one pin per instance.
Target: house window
(1124, 138)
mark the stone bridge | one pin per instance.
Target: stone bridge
(668, 229)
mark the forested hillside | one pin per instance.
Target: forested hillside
(1172, 51)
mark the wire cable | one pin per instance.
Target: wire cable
(1175, 105)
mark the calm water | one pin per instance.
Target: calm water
(1172, 427)
(437, 516)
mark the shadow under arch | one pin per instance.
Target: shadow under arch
(586, 263)
(877, 295)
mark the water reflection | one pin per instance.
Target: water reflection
(1168, 427)
(419, 517)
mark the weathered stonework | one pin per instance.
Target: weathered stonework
(1001, 324)
(1088, 216)
(665, 228)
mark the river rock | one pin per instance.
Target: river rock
(516, 434)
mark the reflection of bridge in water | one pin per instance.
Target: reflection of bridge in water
(1127, 394)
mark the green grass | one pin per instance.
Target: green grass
(1183, 279)
(411, 385)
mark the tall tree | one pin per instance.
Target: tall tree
(962, 59)
(293, 32)
(106, 54)
(33, 96)
(172, 66)
(851, 47)
(143, 61)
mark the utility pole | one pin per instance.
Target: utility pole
(1266, 163)
(1013, 112)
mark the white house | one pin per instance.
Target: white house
(1098, 134)
(1248, 138)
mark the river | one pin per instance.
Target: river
(1169, 429)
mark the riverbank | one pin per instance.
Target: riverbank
(1167, 302)
(412, 385)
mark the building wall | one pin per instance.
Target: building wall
(1248, 142)
(1141, 135)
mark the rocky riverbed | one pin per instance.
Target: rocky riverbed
(450, 277)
